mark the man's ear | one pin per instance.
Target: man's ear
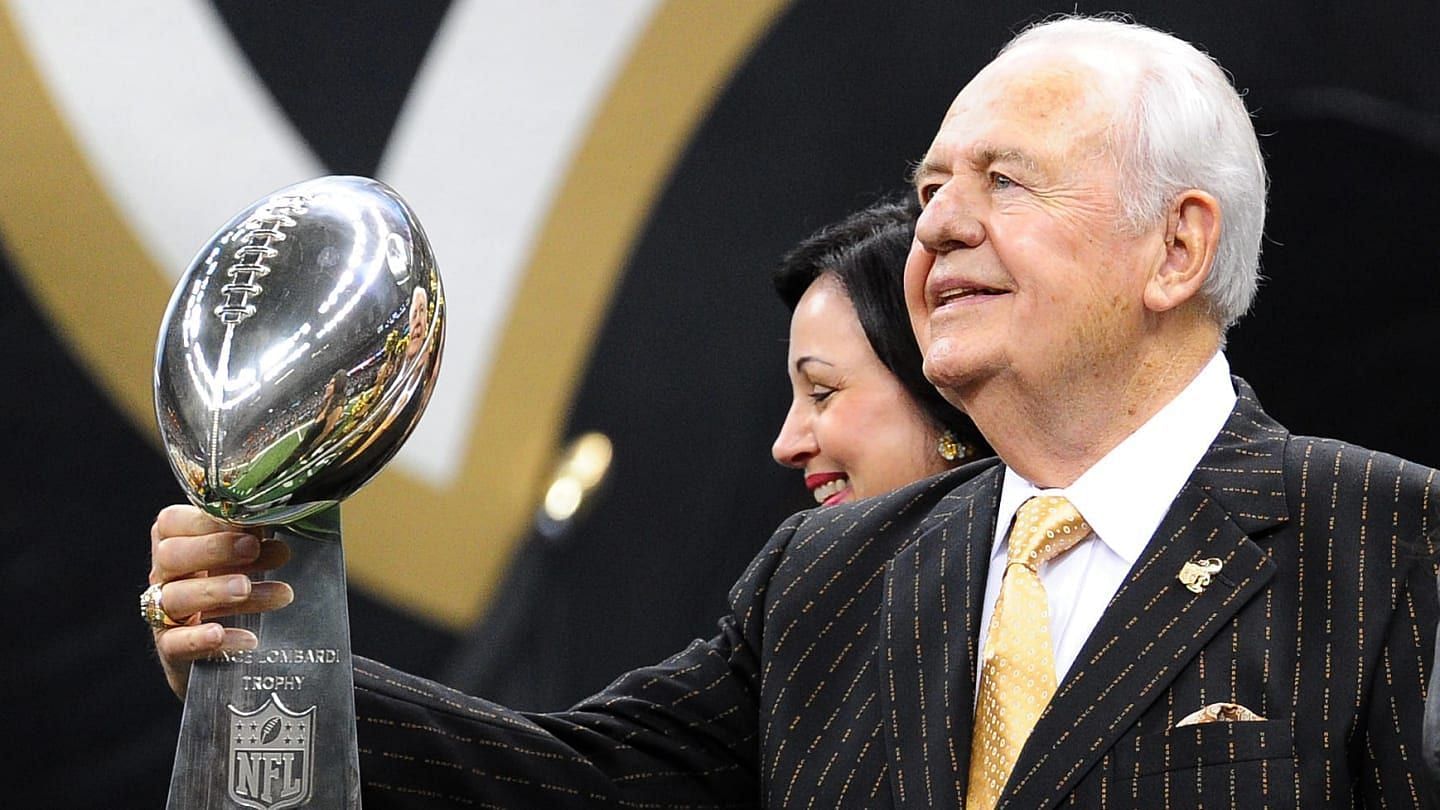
(1192, 233)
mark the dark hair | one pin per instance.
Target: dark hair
(866, 253)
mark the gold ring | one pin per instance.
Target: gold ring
(153, 612)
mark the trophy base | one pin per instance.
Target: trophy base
(274, 727)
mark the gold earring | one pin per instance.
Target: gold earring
(949, 447)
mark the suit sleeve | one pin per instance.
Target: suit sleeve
(679, 734)
(1395, 768)
(1432, 725)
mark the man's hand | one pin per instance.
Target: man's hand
(202, 566)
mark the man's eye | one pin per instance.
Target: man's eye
(998, 180)
(928, 192)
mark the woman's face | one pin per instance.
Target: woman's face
(852, 427)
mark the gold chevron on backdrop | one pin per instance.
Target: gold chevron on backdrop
(435, 551)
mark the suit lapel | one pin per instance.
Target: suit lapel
(1154, 626)
(934, 594)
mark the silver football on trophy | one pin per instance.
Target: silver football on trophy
(298, 350)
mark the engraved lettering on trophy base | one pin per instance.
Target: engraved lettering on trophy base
(263, 656)
(270, 683)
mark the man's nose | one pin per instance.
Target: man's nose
(950, 221)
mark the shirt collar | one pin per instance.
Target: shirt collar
(1126, 494)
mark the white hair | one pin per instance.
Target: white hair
(1184, 127)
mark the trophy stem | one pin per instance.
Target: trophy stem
(274, 727)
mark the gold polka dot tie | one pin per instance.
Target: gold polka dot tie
(1017, 676)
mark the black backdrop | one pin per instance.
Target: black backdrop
(686, 376)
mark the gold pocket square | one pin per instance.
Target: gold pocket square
(1219, 713)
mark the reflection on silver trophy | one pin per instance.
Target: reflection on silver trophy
(296, 355)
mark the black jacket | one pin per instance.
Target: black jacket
(844, 674)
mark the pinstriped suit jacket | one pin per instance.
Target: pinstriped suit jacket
(1432, 726)
(844, 675)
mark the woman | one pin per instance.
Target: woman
(863, 419)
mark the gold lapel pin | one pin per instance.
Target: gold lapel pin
(1196, 574)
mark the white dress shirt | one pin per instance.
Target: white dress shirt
(1123, 498)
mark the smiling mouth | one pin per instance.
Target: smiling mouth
(830, 489)
(963, 293)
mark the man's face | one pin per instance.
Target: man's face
(1021, 269)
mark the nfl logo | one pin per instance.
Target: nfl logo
(270, 756)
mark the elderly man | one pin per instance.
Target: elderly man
(1157, 597)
